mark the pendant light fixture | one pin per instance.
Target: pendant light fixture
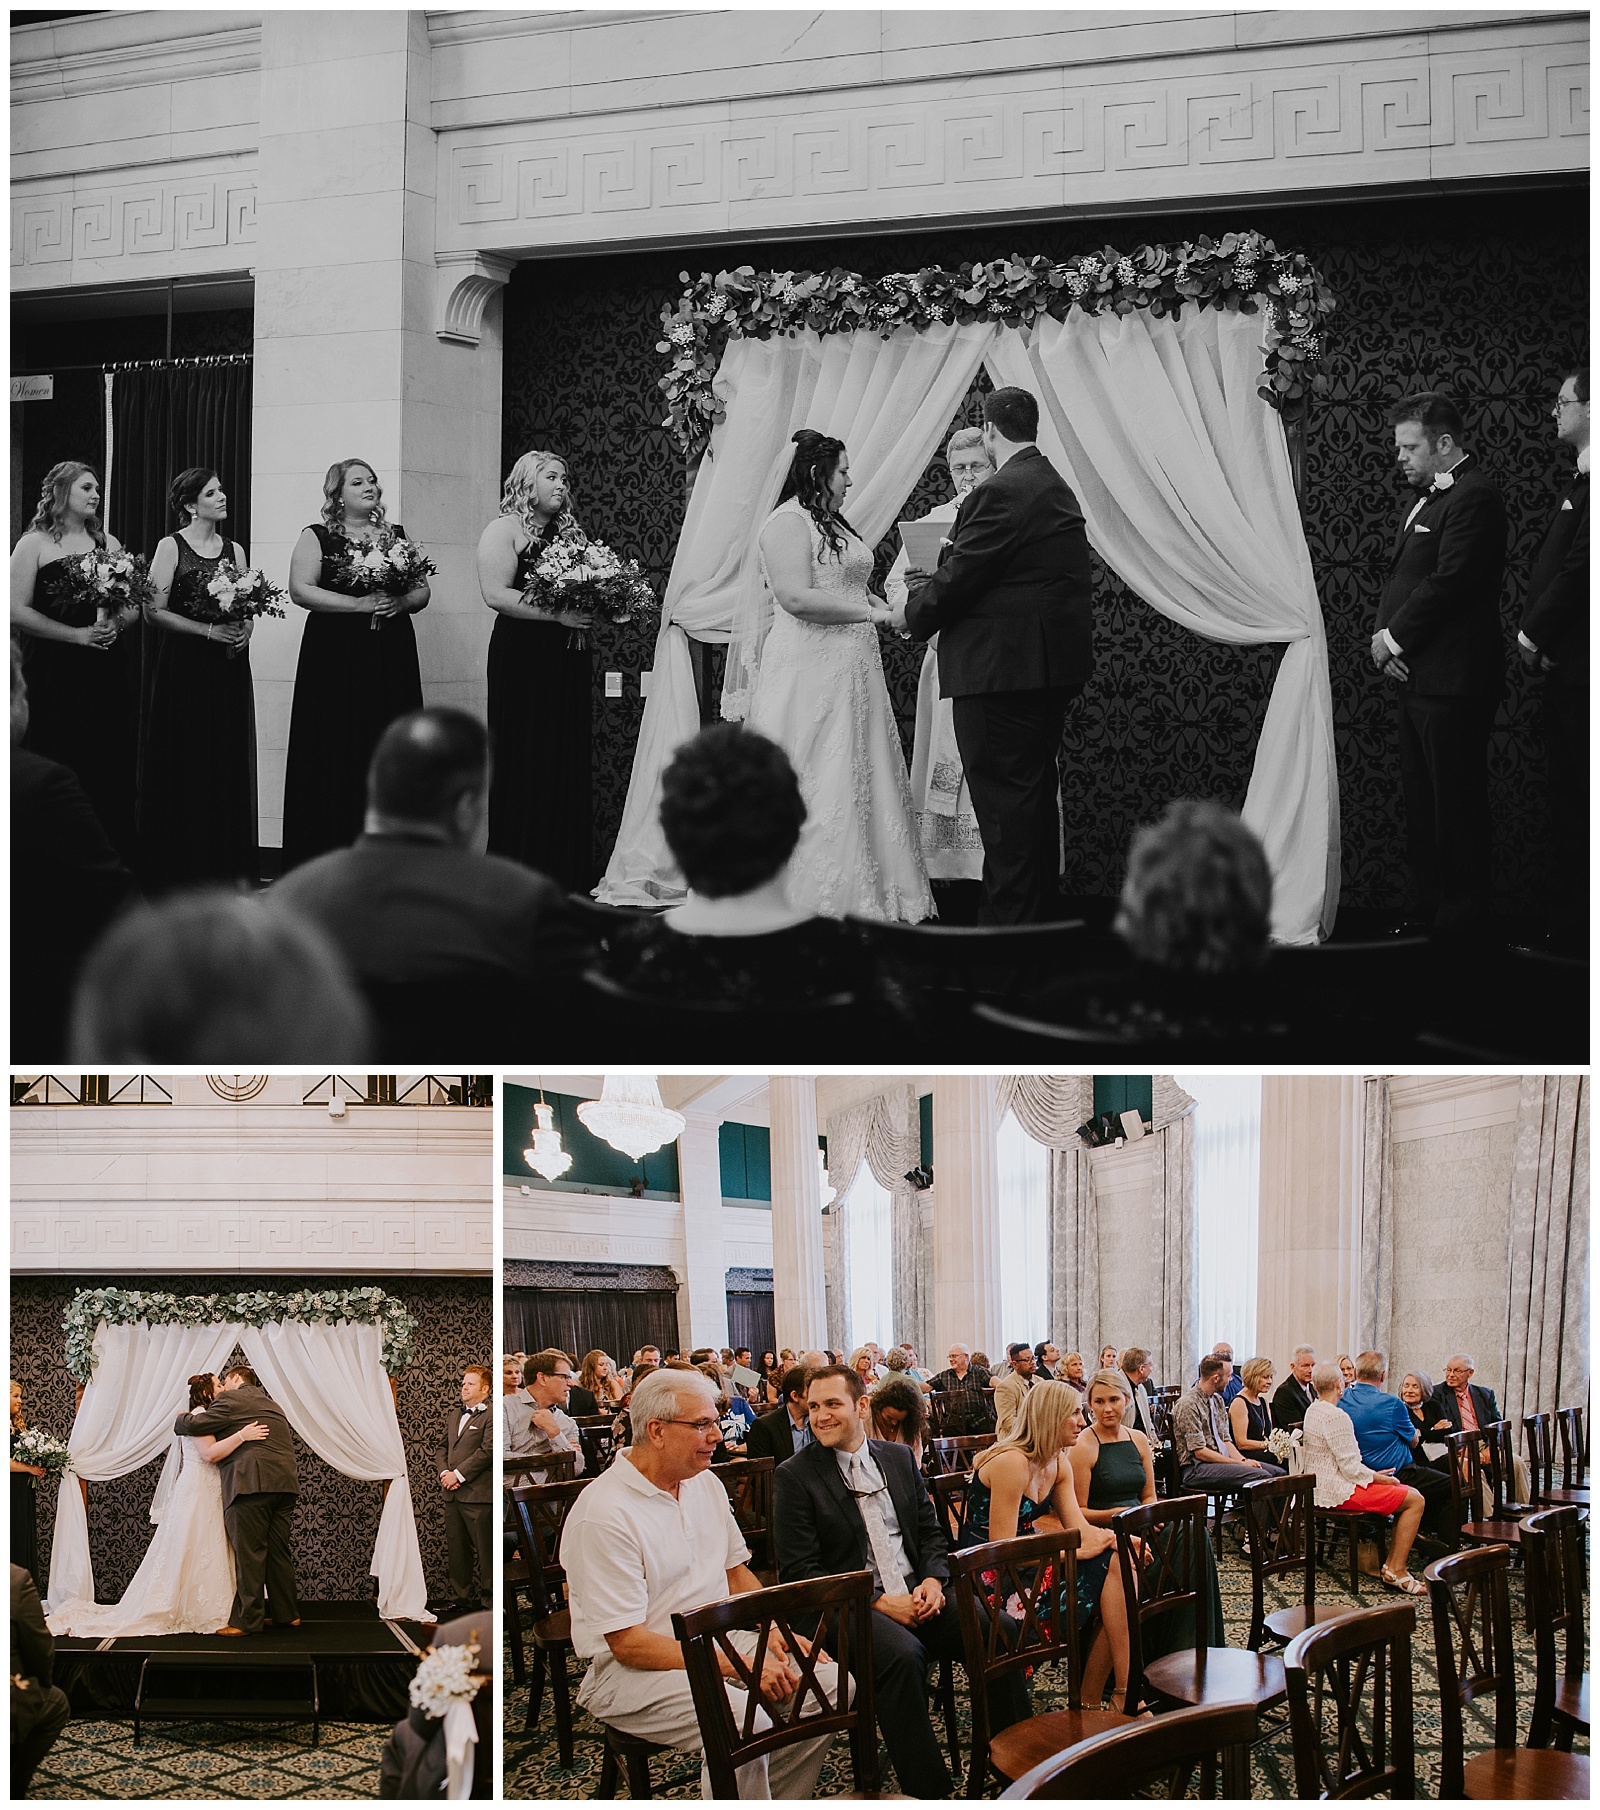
(545, 1153)
(630, 1117)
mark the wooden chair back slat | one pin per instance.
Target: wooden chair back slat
(1555, 1593)
(557, 1467)
(950, 1501)
(1471, 1605)
(540, 1512)
(955, 1455)
(748, 1482)
(1350, 1705)
(1570, 1423)
(1126, 1762)
(1538, 1437)
(1279, 1513)
(838, 1612)
(1171, 1575)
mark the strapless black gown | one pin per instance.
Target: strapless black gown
(83, 706)
(197, 803)
(540, 809)
(352, 681)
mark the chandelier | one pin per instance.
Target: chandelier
(629, 1115)
(546, 1154)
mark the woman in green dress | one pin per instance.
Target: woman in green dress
(1112, 1470)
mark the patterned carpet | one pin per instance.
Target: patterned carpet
(99, 1760)
(532, 1768)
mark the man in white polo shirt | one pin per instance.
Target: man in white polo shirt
(652, 1535)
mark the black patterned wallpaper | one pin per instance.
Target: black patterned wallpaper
(1486, 294)
(336, 1521)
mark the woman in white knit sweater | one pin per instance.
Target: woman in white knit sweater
(1330, 1450)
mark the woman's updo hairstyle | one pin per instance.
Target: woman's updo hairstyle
(202, 1389)
(816, 459)
(184, 491)
(51, 515)
(333, 494)
(731, 810)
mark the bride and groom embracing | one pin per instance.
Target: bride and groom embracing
(221, 1549)
(1011, 604)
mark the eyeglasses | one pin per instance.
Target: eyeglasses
(694, 1426)
(1566, 402)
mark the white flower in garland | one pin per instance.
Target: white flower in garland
(1244, 271)
(445, 1678)
(1125, 271)
(682, 334)
(1290, 284)
(1077, 285)
(787, 291)
(717, 306)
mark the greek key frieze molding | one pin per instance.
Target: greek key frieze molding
(153, 225)
(1488, 103)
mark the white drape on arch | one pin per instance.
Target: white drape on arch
(331, 1386)
(1184, 478)
(889, 400)
(883, 1133)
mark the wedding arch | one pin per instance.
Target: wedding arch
(1164, 377)
(322, 1355)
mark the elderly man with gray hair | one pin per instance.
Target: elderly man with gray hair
(654, 1535)
(947, 825)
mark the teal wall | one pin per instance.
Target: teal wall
(746, 1152)
(594, 1163)
(925, 1122)
(1119, 1093)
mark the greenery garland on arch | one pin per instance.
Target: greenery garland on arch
(1241, 271)
(128, 1306)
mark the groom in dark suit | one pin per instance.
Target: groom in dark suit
(260, 1486)
(1011, 604)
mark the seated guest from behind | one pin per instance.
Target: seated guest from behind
(1330, 1452)
(1249, 1413)
(39, 1706)
(786, 1430)
(416, 905)
(1295, 1394)
(731, 812)
(899, 1413)
(1232, 1386)
(654, 1535)
(1206, 1452)
(901, 1361)
(536, 1419)
(215, 977)
(1388, 1439)
(848, 1503)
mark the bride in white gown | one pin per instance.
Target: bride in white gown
(820, 695)
(184, 1584)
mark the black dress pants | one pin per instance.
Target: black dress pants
(46, 1717)
(258, 1531)
(1566, 728)
(1444, 773)
(469, 1533)
(1438, 1510)
(1009, 741)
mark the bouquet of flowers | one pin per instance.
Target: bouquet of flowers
(389, 563)
(1282, 1443)
(447, 1676)
(236, 595)
(35, 1446)
(576, 573)
(111, 581)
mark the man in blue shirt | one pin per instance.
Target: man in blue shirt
(1387, 1438)
(1233, 1382)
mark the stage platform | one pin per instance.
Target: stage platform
(342, 1664)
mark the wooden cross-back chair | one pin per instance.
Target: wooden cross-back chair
(1539, 1436)
(748, 1482)
(1350, 1705)
(555, 1467)
(792, 1611)
(1473, 1456)
(955, 1454)
(1555, 1607)
(954, 1412)
(1572, 1425)
(1471, 1605)
(1162, 1551)
(1279, 1516)
(1126, 1762)
(540, 1512)
(1038, 1575)
(949, 1492)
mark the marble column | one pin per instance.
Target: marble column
(799, 1293)
(703, 1286)
(966, 1216)
(1308, 1280)
(364, 346)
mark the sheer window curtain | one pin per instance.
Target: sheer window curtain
(1023, 1168)
(1227, 1204)
(871, 1261)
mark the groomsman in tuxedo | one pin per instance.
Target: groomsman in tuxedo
(1438, 641)
(467, 1446)
(1011, 604)
(1554, 640)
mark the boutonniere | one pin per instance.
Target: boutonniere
(1444, 481)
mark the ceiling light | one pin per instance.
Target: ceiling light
(630, 1117)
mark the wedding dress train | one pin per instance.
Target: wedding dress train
(184, 1585)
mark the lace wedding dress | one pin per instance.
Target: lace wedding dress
(185, 1583)
(820, 695)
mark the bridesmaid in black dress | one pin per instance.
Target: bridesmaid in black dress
(197, 800)
(539, 716)
(81, 700)
(357, 672)
(24, 1510)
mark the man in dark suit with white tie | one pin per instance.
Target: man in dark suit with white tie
(849, 1503)
(1011, 604)
(1295, 1394)
(466, 1444)
(1554, 640)
(1438, 641)
(786, 1430)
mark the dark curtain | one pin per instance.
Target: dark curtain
(617, 1321)
(750, 1322)
(165, 419)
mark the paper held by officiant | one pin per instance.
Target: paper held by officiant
(922, 541)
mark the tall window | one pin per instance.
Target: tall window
(866, 1220)
(1227, 1202)
(1024, 1168)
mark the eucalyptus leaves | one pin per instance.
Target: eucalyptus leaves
(1243, 271)
(128, 1306)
